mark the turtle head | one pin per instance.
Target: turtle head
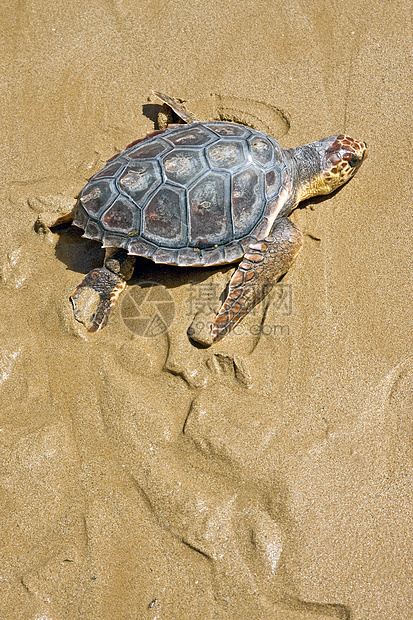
(340, 157)
(323, 166)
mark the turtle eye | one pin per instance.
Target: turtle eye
(354, 161)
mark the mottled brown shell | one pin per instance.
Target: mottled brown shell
(191, 195)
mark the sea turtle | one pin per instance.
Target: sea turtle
(202, 194)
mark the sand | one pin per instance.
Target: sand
(269, 476)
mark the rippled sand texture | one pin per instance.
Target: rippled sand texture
(268, 477)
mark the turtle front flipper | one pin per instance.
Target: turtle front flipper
(177, 107)
(98, 292)
(263, 264)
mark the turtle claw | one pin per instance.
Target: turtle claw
(95, 296)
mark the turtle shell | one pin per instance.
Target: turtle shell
(191, 195)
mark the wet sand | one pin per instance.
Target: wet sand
(270, 475)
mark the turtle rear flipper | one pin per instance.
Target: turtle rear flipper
(177, 107)
(95, 296)
(98, 292)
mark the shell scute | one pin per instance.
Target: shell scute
(262, 151)
(188, 257)
(164, 218)
(272, 182)
(113, 240)
(140, 247)
(149, 151)
(184, 166)
(93, 231)
(165, 256)
(140, 179)
(191, 135)
(230, 130)
(112, 169)
(97, 195)
(247, 199)
(121, 217)
(215, 256)
(209, 213)
(226, 155)
(233, 251)
(81, 218)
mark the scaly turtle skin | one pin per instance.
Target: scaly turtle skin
(202, 194)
